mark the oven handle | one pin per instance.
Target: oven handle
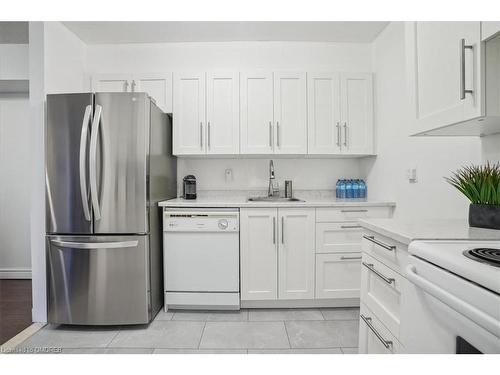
(479, 317)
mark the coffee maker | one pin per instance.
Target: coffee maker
(189, 187)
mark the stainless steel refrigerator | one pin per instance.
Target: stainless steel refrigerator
(108, 163)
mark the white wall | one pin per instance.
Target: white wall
(253, 174)
(57, 64)
(491, 148)
(15, 170)
(434, 157)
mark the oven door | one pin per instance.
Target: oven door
(443, 313)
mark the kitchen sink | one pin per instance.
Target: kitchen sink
(274, 199)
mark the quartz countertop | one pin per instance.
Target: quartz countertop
(406, 231)
(240, 199)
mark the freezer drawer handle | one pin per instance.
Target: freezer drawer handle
(93, 161)
(371, 268)
(377, 242)
(368, 321)
(83, 156)
(479, 317)
(95, 245)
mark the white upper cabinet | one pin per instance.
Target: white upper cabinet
(489, 29)
(296, 253)
(444, 71)
(158, 86)
(223, 121)
(290, 114)
(189, 113)
(356, 93)
(14, 61)
(323, 93)
(256, 113)
(112, 83)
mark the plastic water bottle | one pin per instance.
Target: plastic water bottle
(362, 189)
(343, 189)
(355, 189)
(348, 189)
(337, 189)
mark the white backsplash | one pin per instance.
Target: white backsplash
(252, 175)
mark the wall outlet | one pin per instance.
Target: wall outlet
(411, 175)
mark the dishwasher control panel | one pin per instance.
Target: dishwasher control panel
(200, 221)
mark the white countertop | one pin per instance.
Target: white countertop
(243, 202)
(406, 231)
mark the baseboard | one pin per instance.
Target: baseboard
(301, 303)
(15, 273)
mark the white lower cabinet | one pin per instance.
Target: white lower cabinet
(338, 275)
(277, 253)
(374, 337)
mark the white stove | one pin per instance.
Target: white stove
(452, 297)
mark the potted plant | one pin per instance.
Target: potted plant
(481, 185)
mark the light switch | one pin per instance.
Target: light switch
(411, 175)
(228, 175)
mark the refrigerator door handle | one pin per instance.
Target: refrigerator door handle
(95, 245)
(93, 162)
(83, 155)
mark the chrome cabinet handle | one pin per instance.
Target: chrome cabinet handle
(270, 134)
(345, 134)
(208, 131)
(349, 258)
(274, 230)
(368, 321)
(383, 277)
(201, 135)
(283, 230)
(132, 86)
(338, 133)
(344, 211)
(95, 245)
(278, 133)
(350, 226)
(377, 242)
(463, 47)
(93, 160)
(83, 156)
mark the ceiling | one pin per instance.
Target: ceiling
(215, 31)
(14, 32)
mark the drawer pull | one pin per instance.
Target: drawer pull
(349, 258)
(388, 280)
(353, 210)
(368, 321)
(350, 226)
(377, 242)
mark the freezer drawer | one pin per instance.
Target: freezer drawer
(98, 280)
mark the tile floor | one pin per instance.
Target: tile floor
(276, 331)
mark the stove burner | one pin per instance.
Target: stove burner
(484, 255)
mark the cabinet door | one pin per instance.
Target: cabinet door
(290, 113)
(158, 86)
(374, 337)
(296, 253)
(112, 83)
(258, 251)
(14, 60)
(189, 114)
(323, 103)
(223, 113)
(338, 275)
(434, 60)
(256, 113)
(356, 92)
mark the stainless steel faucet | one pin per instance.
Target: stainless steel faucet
(273, 189)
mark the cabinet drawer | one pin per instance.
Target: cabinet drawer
(338, 237)
(338, 275)
(328, 214)
(392, 253)
(374, 337)
(381, 292)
